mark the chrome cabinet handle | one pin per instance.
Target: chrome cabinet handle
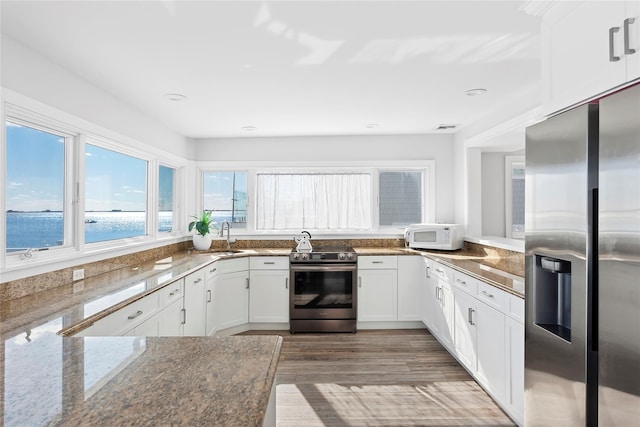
(133, 316)
(197, 281)
(487, 294)
(247, 282)
(377, 262)
(184, 316)
(175, 291)
(208, 295)
(359, 281)
(612, 56)
(428, 272)
(628, 50)
(462, 282)
(213, 270)
(286, 283)
(439, 270)
(470, 315)
(268, 262)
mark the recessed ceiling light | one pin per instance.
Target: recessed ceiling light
(475, 92)
(174, 97)
(248, 128)
(372, 125)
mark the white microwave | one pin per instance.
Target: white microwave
(445, 237)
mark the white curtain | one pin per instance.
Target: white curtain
(314, 201)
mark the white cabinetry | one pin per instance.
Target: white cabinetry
(194, 304)
(231, 293)
(588, 48)
(377, 288)
(210, 276)
(465, 335)
(441, 305)
(411, 281)
(171, 299)
(269, 289)
(514, 357)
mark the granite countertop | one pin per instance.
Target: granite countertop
(465, 261)
(51, 380)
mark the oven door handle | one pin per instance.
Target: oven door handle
(324, 267)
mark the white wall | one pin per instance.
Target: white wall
(29, 73)
(493, 209)
(344, 148)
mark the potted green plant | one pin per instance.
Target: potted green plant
(202, 224)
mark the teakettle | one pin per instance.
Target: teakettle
(304, 242)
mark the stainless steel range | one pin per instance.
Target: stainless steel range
(323, 295)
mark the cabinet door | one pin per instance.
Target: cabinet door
(428, 294)
(410, 288)
(514, 356)
(577, 42)
(632, 23)
(377, 295)
(465, 329)
(231, 299)
(171, 320)
(194, 306)
(269, 296)
(491, 371)
(149, 328)
(209, 306)
(447, 310)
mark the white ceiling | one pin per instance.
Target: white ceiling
(294, 67)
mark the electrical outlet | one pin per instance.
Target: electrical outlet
(78, 274)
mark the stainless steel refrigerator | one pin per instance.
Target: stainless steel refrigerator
(582, 228)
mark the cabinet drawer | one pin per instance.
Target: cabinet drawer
(127, 317)
(233, 265)
(210, 271)
(172, 292)
(516, 308)
(194, 278)
(377, 262)
(493, 296)
(442, 272)
(269, 263)
(465, 283)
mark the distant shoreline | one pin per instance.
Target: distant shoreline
(51, 211)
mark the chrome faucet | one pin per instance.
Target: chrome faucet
(228, 233)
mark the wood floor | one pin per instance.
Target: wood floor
(377, 378)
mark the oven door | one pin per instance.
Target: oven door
(323, 291)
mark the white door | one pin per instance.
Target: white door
(465, 329)
(171, 320)
(209, 306)
(514, 357)
(410, 288)
(194, 308)
(377, 295)
(269, 296)
(231, 299)
(491, 354)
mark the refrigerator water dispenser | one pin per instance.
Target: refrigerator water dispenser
(552, 299)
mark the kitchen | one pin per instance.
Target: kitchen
(54, 73)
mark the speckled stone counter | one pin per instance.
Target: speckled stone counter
(138, 381)
(466, 261)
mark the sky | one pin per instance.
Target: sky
(35, 174)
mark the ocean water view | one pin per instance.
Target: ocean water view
(45, 229)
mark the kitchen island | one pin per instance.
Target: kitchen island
(140, 381)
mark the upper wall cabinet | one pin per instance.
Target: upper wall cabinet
(589, 47)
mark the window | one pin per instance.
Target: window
(225, 195)
(514, 196)
(319, 201)
(115, 195)
(35, 187)
(400, 195)
(166, 189)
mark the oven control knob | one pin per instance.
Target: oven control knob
(296, 256)
(305, 257)
(349, 256)
(340, 256)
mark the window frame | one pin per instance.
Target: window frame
(253, 168)
(511, 162)
(24, 110)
